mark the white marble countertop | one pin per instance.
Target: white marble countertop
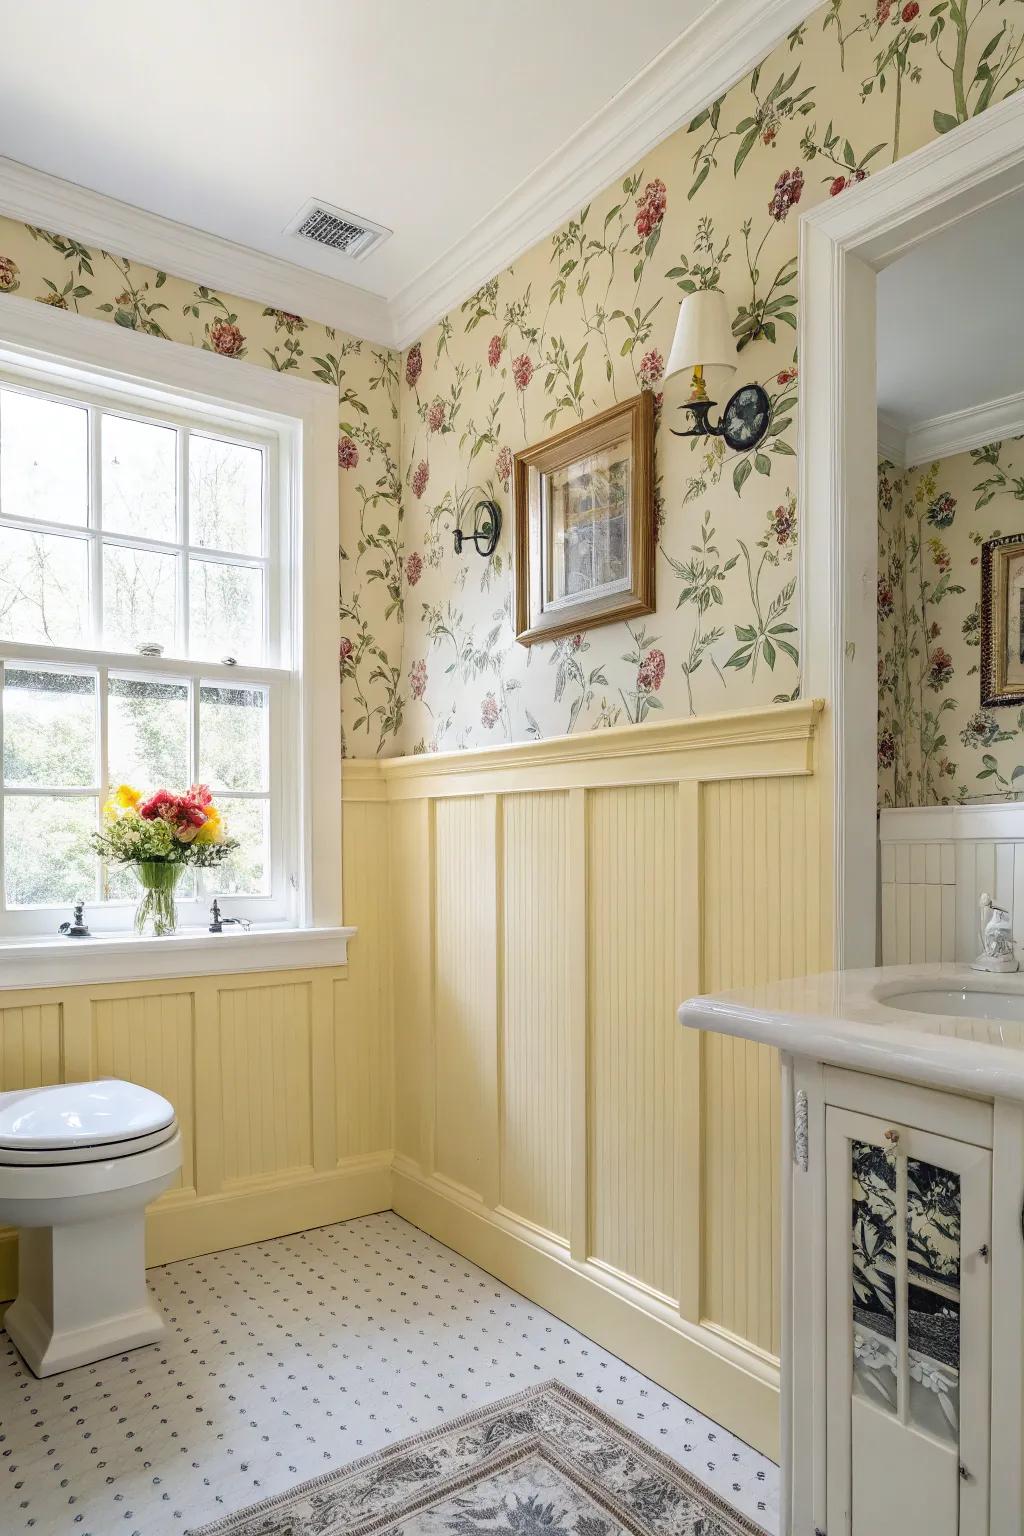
(846, 1018)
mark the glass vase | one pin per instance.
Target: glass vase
(156, 913)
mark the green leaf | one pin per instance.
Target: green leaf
(701, 178)
(746, 145)
(944, 121)
(741, 474)
(763, 464)
(769, 653)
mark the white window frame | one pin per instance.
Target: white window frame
(57, 353)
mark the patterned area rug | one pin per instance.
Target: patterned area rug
(546, 1462)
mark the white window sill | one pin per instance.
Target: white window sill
(52, 962)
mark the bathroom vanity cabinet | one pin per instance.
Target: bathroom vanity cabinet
(903, 1256)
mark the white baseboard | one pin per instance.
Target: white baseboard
(736, 1386)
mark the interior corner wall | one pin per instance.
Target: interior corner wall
(937, 743)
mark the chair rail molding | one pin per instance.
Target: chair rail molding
(844, 243)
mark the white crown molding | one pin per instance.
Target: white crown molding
(958, 432)
(892, 442)
(61, 206)
(715, 51)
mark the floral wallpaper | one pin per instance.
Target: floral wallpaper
(586, 318)
(59, 271)
(935, 743)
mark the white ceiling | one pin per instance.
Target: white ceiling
(227, 116)
(951, 320)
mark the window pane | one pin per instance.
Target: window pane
(49, 728)
(233, 737)
(147, 734)
(225, 495)
(140, 597)
(225, 610)
(246, 872)
(140, 478)
(44, 459)
(44, 587)
(47, 857)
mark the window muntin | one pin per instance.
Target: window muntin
(147, 529)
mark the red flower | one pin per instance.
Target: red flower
(785, 377)
(494, 349)
(886, 598)
(576, 641)
(910, 11)
(782, 524)
(345, 649)
(489, 712)
(940, 669)
(8, 275)
(418, 679)
(226, 339)
(886, 749)
(503, 465)
(839, 185)
(522, 371)
(650, 208)
(652, 366)
(413, 364)
(435, 415)
(413, 568)
(883, 9)
(348, 453)
(768, 136)
(788, 190)
(650, 672)
(420, 477)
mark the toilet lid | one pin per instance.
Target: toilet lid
(70, 1115)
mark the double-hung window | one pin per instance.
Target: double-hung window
(154, 631)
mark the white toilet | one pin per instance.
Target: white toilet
(79, 1163)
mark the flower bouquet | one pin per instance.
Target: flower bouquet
(158, 837)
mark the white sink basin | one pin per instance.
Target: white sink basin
(960, 1003)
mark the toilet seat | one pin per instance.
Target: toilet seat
(81, 1122)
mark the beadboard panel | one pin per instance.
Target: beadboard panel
(151, 1041)
(634, 1045)
(762, 904)
(534, 1112)
(266, 1083)
(465, 994)
(30, 1046)
(363, 1046)
(552, 905)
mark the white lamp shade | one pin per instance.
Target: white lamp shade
(703, 338)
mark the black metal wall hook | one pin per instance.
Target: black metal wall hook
(486, 530)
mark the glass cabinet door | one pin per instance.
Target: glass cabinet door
(908, 1306)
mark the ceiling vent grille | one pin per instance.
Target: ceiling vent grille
(333, 228)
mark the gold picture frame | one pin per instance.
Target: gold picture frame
(1002, 621)
(583, 531)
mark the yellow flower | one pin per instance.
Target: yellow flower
(212, 830)
(126, 798)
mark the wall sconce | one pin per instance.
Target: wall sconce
(486, 530)
(703, 340)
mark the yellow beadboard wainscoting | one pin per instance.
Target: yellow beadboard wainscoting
(551, 903)
(282, 1081)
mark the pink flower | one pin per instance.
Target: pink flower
(837, 186)
(435, 415)
(768, 136)
(489, 712)
(782, 524)
(184, 814)
(226, 339)
(494, 350)
(883, 9)
(413, 364)
(413, 568)
(418, 679)
(788, 190)
(345, 649)
(9, 279)
(420, 477)
(503, 465)
(940, 669)
(652, 366)
(886, 598)
(886, 749)
(650, 208)
(785, 377)
(576, 641)
(348, 453)
(651, 672)
(911, 11)
(522, 371)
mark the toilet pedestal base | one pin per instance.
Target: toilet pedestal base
(82, 1293)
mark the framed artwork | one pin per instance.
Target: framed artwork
(1002, 621)
(583, 527)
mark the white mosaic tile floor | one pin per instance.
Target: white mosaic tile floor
(288, 1357)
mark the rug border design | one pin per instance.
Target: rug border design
(226, 1524)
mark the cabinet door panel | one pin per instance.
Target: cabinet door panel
(908, 1311)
